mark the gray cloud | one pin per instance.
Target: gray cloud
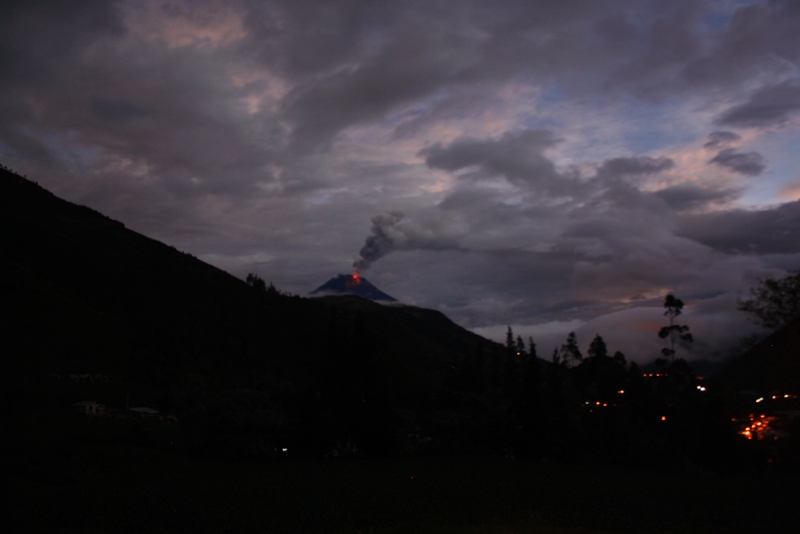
(517, 156)
(40, 44)
(767, 231)
(39, 38)
(355, 63)
(265, 135)
(159, 109)
(302, 39)
(721, 139)
(688, 197)
(758, 41)
(636, 166)
(769, 105)
(747, 163)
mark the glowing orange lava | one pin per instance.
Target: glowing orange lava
(354, 280)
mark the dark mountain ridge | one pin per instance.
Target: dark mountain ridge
(84, 294)
(248, 371)
(772, 365)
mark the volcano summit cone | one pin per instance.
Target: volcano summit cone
(352, 284)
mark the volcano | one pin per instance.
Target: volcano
(352, 284)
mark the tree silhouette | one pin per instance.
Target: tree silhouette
(531, 369)
(513, 353)
(774, 303)
(597, 348)
(570, 352)
(529, 414)
(674, 333)
(600, 376)
(520, 349)
(254, 281)
(509, 339)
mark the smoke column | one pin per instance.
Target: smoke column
(381, 241)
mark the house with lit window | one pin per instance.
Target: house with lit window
(89, 408)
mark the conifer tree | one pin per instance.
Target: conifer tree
(520, 349)
(597, 348)
(531, 376)
(510, 367)
(570, 352)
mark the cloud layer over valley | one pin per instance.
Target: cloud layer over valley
(552, 166)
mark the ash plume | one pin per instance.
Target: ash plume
(391, 231)
(382, 239)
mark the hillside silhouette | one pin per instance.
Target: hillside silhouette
(248, 371)
(259, 386)
(770, 365)
(86, 296)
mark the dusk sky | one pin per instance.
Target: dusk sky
(548, 165)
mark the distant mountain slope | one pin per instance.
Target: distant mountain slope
(173, 312)
(87, 295)
(349, 284)
(771, 365)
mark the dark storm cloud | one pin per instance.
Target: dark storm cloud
(267, 134)
(350, 63)
(304, 38)
(591, 241)
(721, 139)
(662, 48)
(770, 105)
(40, 42)
(517, 156)
(757, 41)
(448, 108)
(767, 231)
(356, 63)
(38, 36)
(590, 238)
(687, 197)
(668, 54)
(166, 110)
(323, 107)
(626, 249)
(747, 163)
(635, 166)
(179, 125)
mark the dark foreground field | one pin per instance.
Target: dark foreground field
(94, 486)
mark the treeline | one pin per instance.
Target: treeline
(250, 371)
(595, 407)
(361, 398)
